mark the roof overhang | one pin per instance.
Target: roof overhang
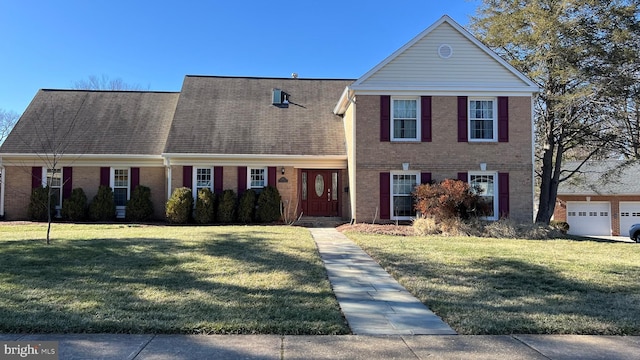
(21, 159)
(297, 161)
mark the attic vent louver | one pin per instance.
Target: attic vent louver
(280, 98)
(445, 51)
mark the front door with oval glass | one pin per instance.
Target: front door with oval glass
(320, 192)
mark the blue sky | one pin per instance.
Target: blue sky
(52, 44)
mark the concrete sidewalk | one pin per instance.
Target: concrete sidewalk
(192, 347)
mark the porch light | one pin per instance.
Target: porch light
(282, 170)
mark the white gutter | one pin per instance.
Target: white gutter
(168, 174)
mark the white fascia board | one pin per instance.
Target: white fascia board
(343, 103)
(444, 91)
(445, 18)
(297, 161)
(21, 159)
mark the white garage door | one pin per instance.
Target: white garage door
(629, 215)
(589, 218)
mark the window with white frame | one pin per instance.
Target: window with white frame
(483, 121)
(54, 181)
(402, 186)
(405, 115)
(120, 187)
(257, 178)
(486, 186)
(202, 179)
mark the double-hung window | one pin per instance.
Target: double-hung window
(405, 119)
(54, 181)
(403, 185)
(120, 185)
(483, 121)
(202, 179)
(257, 178)
(486, 186)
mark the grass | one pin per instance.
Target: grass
(164, 279)
(492, 286)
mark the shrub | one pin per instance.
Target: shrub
(37, 209)
(425, 226)
(563, 226)
(227, 207)
(247, 206)
(449, 199)
(75, 207)
(179, 206)
(103, 208)
(140, 206)
(503, 228)
(268, 207)
(205, 207)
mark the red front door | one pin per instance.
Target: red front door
(320, 192)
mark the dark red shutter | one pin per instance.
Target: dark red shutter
(105, 174)
(242, 179)
(425, 178)
(503, 119)
(503, 194)
(385, 118)
(462, 119)
(217, 180)
(385, 195)
(425, 116)
(463, 176)
(67, 181)
(187, 176)
(36, 177)
(271, 176)
(135, 178)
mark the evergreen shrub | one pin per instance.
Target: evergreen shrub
(205, 207)
(103, 207)
(180, 206)
(268, 207)
(75, 207)
(140, 206)
(227, 207)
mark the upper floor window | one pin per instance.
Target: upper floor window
(257, 178)
(482, 119)
(405, 119)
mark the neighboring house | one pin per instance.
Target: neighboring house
(442, 106)
(603, 198)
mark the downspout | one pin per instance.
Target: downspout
(3, 176)
(167, 163)
(533, 159)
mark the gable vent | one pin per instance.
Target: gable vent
(280, 98)
(445, 51)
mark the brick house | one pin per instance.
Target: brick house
(603, 198)
(442, 106)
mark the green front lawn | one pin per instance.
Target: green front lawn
(496, 286)
(164, 279)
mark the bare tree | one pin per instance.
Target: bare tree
(103, 82)
(7, 120)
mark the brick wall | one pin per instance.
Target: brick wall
(444, 157)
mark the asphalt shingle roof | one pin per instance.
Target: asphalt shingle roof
(235, 115)
(606, 177)
(94, 122)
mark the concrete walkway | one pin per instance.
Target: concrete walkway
(371, 300)
(221, 347)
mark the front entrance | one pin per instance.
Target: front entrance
(320, 192)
